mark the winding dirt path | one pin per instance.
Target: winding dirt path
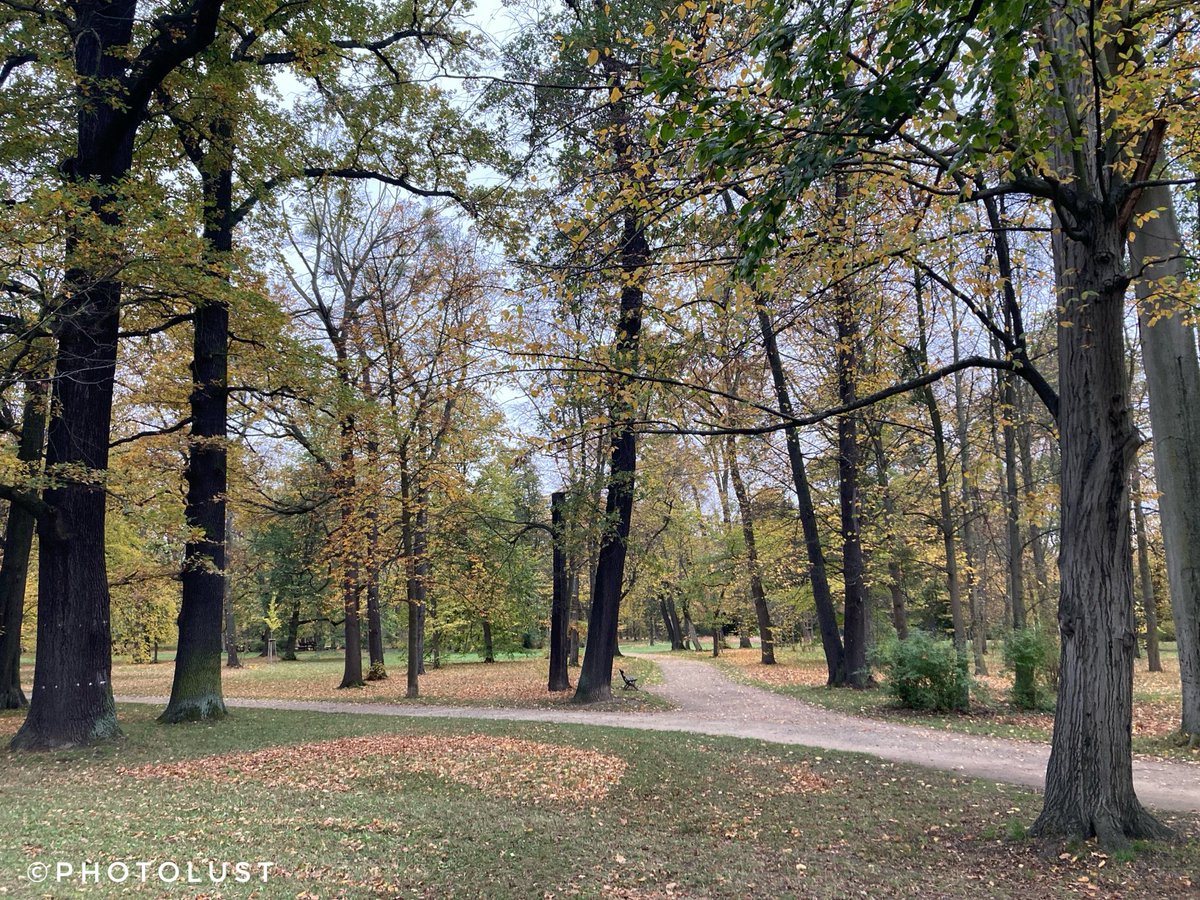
(708, 702)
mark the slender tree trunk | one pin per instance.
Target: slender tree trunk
(1149, 602)
(1173, 380)
(1012, 498)
(231, 651)
(1035, 538)
(831, 640)
(560, 604)
(858, 674)
(758, 596)
(378, 665)
(576, 617)
(895, 574)
(942, 467)
(595, 676)
(18, 543)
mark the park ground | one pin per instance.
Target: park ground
(367, 805)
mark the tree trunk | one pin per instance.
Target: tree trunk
(489, 647)
(1089, 779)
(18, 543)
(758, 596)
(72, 702)
(576, 616)
(942, 467)
(595, 677)
(560, 604)
(196, 687)
(831, 640)
(231, 651)
(378, 665)
(1012, 497)
(895, 575)
(1041, 581)
(1173, 380)
(857, 674)
(293, 632)
(1149, 603)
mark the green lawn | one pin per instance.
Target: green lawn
(562, 811)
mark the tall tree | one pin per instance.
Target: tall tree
(1173, 380)
(115, 78)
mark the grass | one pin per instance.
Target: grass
(802, 674)
(515, 681)
(632, 815)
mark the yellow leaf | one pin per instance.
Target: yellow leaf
(593, 57)
(615, 95)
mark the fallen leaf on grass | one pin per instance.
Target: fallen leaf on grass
(505, 767)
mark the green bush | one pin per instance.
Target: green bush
(924, 672)
(1032, 655)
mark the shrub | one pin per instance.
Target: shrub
(924, 672)
(1032, 655)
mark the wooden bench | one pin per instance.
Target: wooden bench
(630, 683)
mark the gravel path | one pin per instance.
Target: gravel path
(709, 702)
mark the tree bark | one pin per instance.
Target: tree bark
(857, 672)
(1173, 380)
(1149, 602)
(1089, 778)
(895, 574)
(831, 640)
(489, 647)
(560, 604)
(942, 470)
(196, 686)
(293, 632)
(18, 543)
(595, 676)
(758, 595)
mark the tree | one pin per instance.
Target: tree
(1173, 380)
(114, 79)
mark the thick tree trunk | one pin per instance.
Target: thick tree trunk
(293, 632)
(744, 642)
(489, 646)
(1089, 779)
(196, 687)
(758, 596)
(560, 604)
(831, 640)
(678, 638)
(1149, 603)
(595, 676)
(18, 543)
(72, 702)
(1173, 379)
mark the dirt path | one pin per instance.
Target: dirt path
(709, 702)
